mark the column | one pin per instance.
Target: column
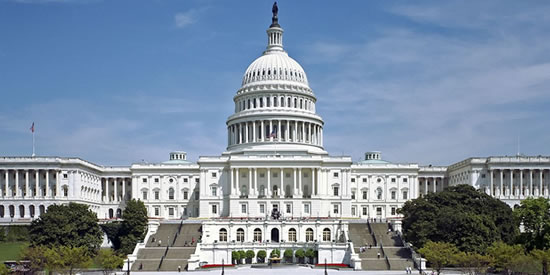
(249, 181)
(48, 192)
(262, 132)
(491, 192)
(256, 182)
(531, 191)
(300, 180)
(279, 133)
(270, 130)
(124, 189)
(541, 193)
(253, 131)
(245, 132)
(309, 135)
(295, 139)
(232, 180)
(237, 180)
(6, 185)
(321, 136)
(511, 182)
(37, 183)
(502, 193)
(521, 183)
(240, 134)
(268, 191)
(17, 188)
(58, 183)
(27, 190)
(283, 189)
(295, 183)
(425, 186)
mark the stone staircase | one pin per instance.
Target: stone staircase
(177, 243)
(393, 255)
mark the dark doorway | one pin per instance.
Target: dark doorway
(274, 235)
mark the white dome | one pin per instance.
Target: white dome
(275, 65)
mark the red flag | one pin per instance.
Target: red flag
(32, 127)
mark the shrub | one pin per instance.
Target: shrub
(261, 256)
(300, 254)
(288, 255)
(275, 253)
(236, 256)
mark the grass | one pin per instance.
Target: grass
(11, 250)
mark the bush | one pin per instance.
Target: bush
(275, 253)
(15, 233)
(288, 255)
(236, 257)
(310, 254)
(261, 256)
(250, 255)
(300, 254)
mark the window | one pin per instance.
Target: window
(379, 180)
(214, 191)
(393, 195)
(243, 208)
(240, 235)
(393, 211)
(171, 194)
(275, 175)
(185, 195)
(185, 180)
(144, 193)
(289, 208)
(335, 190)
(483, 176)
(262, 175)
(364, 179)
(262, 208)
(309, 235)
(171, 180)
(392, 179)
(197, 195)
(292, 235)
(144, 180)
(197, 180)
(326, 235)
(213, 174)
(156, 180)
(352, 180)
(352, 195)
(305, 175)
(171, 211)
(223, 235)
(335, 209)
(405, 195)
(257, 235)
(353, 211)
(379, 193)
(214, 209)
(287, 175)
(157, 195)
(65, 176)
(405, 180)
(306, 208)
(335, 174)
(365, 211)
(365, 195)
(379, 211)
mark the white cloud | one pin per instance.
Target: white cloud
(184, 19)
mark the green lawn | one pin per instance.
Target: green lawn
(11, 250)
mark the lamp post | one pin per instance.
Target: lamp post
(223, 271)
(326, 273)
(128, 267)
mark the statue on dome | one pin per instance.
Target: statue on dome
(275, 19)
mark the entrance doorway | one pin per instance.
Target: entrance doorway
(274, 235)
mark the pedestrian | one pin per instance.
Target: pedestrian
(153, 240)
(140, 266)
(378, 254)
(160, 242)
(179, 268)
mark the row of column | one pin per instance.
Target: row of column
(17, 183)
(433, 181)
(275, 130)
(522, 189)
(270, 191)
(115, 189)
(21, 211)
(274, 101)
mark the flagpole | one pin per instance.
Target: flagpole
(33, 144)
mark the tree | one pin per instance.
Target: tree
(504, 255)
(133, 227)
(461, 215)
(310, 254)
(275, 253)
(472, 263)
(72, 225)
(300, 254)
(236, 256)
(250, 255)
(534, 214)
(4, 269)
(543, 256)
(68, 258)
(109, 260)
(112, 229)
(36, 256)
(288, 255)
(439, 254)
(261, 255)
(242, 255)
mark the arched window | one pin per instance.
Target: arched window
(257, 235)
(275, 190)
(379, 193)
(1, 211)
(223, 235)
(171, 193)
(31, 211)
(326, 235)
(292, 235)
(240, 235)
(309, 235)
(21, 211)
(111, 213)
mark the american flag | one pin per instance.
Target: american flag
(273, 134)
(32, 127)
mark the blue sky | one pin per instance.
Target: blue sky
(430, 82)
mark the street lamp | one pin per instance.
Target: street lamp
(128, 267)
(223, 271)
(326, 273)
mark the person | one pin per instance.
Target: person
(192, 240)
(179, 268)
(389, 230)
(160, 242)
(378, 254)
(153, 240)
(140, 266)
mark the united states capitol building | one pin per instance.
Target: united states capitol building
(274, 183)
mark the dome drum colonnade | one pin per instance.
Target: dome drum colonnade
(275, 103)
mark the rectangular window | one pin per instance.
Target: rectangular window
(185, 179)
(157, 211)
(157, 196)
(144, 195)
(353, 210)
(305, 175)
(483, 176)
(393, 211)
(335, 174)
(379, 211)
(405, 195)
(171, 211)
(365, 211)
(393, 195)
(185, 195)
(306, 208)
(392, 179)
(335, 191)
(65, 176)
(144, 180)
(352, 195)
(275, 175)
(214, 191)
(243, 208)
(365, 195)
(156, 180)
(262, 208)
(335, 209)
(289, 208)
(197, 180)
(287, 175)
(404, 179)
(364, 179)
(214, 209)
(213, 174)
(262, 175)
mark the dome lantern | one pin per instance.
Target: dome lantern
(275, 32)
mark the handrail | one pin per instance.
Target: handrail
(388, 263)
(160, 263)
(417, 260)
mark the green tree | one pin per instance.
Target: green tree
(504, 255)
(288, 255)
(543, 256)
(236, 256)
(133, 227)
(534, 214)
(250, 255)
(275, 253)
(112, 229)
(242, 254)
(109, 260)
(472, 263)
(310, 254)
(261, 255)
(461, 215)
(72, 225)
(300, 254)
(37, 257)
(439, 254)
(68, 258)
(4, 269)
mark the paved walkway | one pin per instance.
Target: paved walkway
(277, 271)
